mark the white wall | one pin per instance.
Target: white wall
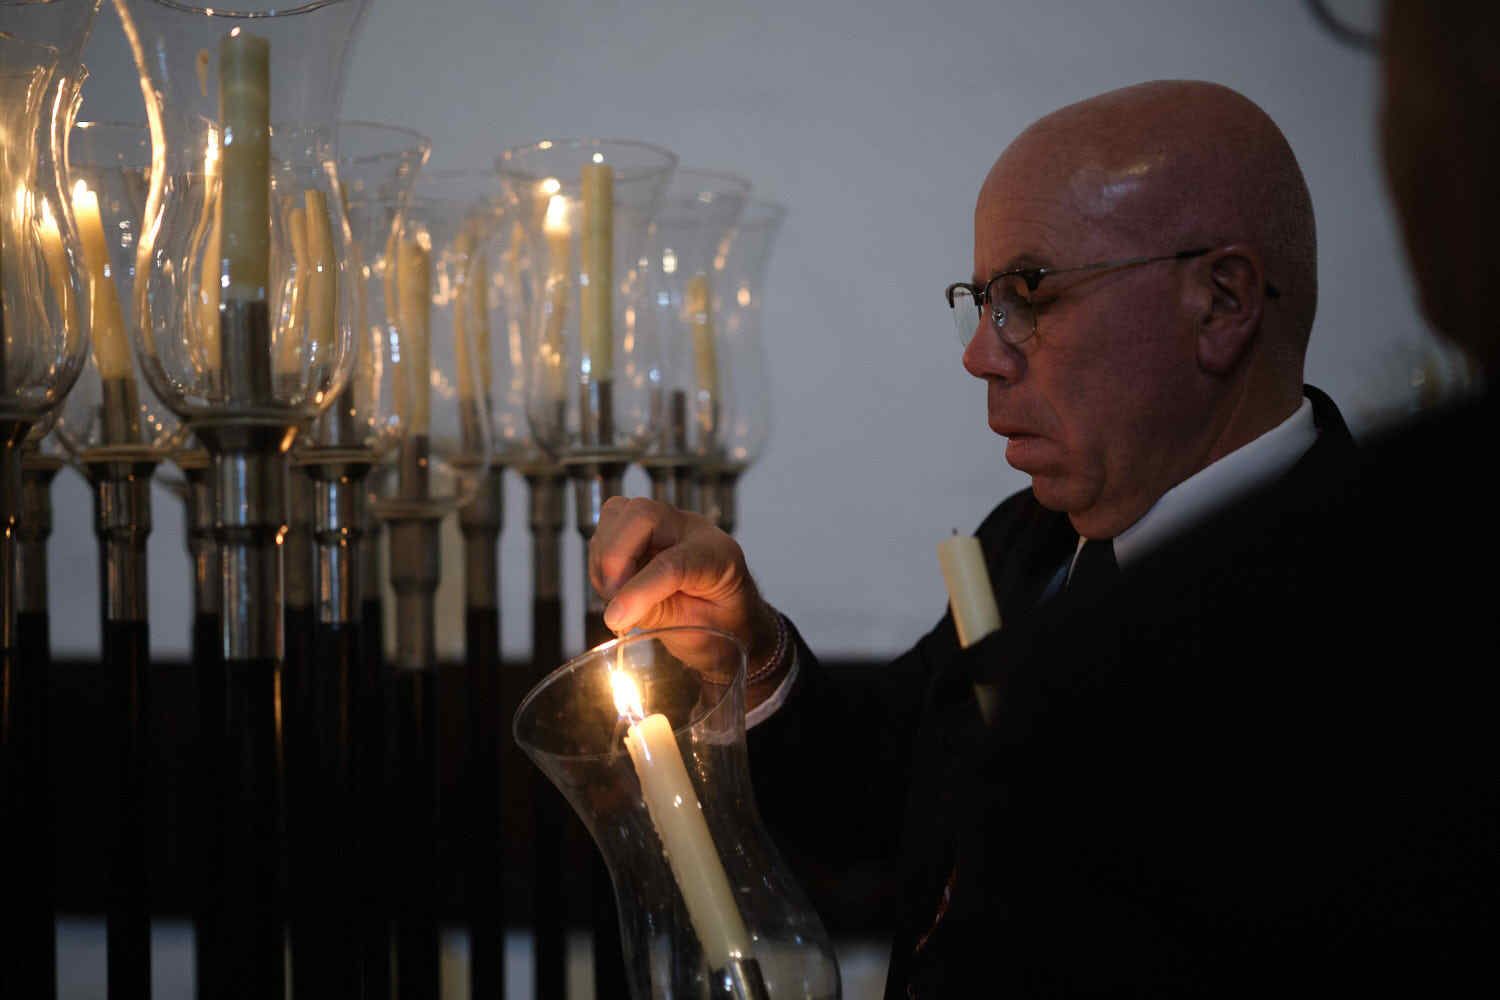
(874, 122)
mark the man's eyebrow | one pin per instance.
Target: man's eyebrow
(1024, 261)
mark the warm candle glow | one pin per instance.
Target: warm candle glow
(627, 696)
(677, 815)
(106, 320)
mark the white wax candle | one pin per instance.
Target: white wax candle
(463, 251)
(479, 318)
(56, 259)
(414, 299)
(321, 287)
(290, 337)
(212, 270)
(559, 236)
(596, 315)
(698, 304)
(970, 595)
(106, 321)
(245, 164)
(678, 818)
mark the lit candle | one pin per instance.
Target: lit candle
(212, 271)
(414, 299)
(245, 126)
(322, 286)
(559, 236)
(678, 818)
(463, 249)
(289, 343)
(57, 271)
(698, 306)
(970, 595)
(106, 322)
(596, 314)
(479, 317)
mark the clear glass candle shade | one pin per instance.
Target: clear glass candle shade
(690, 238)
(109, 171)
(377, 165)
(436, 385)
(745, 387)
(41, 301)
(664, 789)
(244, 289)
(500, 277)
(594, 360)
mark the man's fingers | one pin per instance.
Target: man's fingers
(639, 600)
(629, 532)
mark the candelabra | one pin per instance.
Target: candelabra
(242, 302)
(691, 236)
(594, 363)
(43, 338)
(744, 382)
(116, 436)
(646, 738)
(437, 466)
(341, 938)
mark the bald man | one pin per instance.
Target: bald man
(1144, 287)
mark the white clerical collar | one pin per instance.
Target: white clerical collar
(1262, 461)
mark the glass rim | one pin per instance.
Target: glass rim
(506, 166)
(209, 10)
(734, 184)
(421, 143)
(577, 662)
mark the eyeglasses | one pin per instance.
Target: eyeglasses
(1010, 296)
(1353, 22)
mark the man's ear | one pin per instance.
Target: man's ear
(1235, 282)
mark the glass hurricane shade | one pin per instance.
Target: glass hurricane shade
(244, 290)
(585, 206)
(745, 389)
(645, 736)
(109, 171)
(690, 236)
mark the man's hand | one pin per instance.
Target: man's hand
(658, 566)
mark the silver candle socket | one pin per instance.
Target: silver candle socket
(480, 522)
(544, 481)
(718, 500)
(337, 479)
(37, 472)
(121, 480)
(297, 543)
(12, 434)
(248, 467)
(203, 550)
(412, 523)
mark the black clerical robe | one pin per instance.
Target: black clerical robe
(1176, 795)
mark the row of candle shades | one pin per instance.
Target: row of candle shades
(472, 300)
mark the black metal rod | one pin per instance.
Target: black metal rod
(36, 941)
(125, 664)
(415, 819)
(248, 909)
(484, 887)
(26, 832)
(208, 683)
(375, 897)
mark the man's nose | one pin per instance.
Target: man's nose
(987, 356)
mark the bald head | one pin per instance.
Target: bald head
(1173, 164)
(1114, 384)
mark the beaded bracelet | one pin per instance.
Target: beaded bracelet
(777, 659)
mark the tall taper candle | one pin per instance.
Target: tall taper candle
(414, 302)
(245, 164)
(106, 322)
(596, 314)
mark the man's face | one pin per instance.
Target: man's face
(1101, 406)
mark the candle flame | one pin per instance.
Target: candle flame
(627, 695)
(80, 189)
(48, 222)
(556, 222)
(551, 185)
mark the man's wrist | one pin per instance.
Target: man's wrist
(772, 652)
